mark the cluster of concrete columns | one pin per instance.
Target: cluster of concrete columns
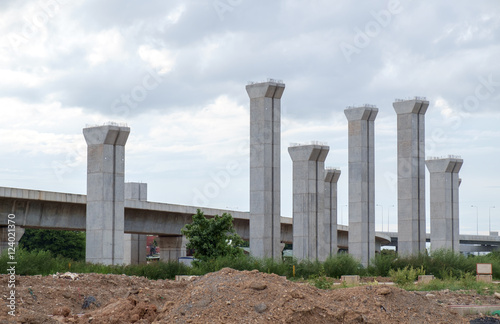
(311, 232)
(314, 188)
(308, 160)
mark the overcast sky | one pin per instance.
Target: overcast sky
(175, 72)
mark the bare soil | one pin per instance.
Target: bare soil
(226, 296)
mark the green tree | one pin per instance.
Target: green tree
(212, 237)
(69, 244)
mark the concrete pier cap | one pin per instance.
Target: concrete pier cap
(269, 89)
(417, 105)
(110, 133)
(451, 163)
(366, 112)
(332, 175)
(313, 151)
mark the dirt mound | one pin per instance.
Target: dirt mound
(230, 296)
(227, 296)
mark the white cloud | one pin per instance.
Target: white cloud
(161, 60)
(105, 46)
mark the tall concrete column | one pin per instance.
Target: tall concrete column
(310, 232)
(411, 175)
(444, 199)
(265, 150)
(172, 247)
(134, 248)
(134, 245)
(105, 193)
(4, 237)
(136, 191)
(331, 178)
(361, 122)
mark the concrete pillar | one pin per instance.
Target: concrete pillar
(171, 247)
(105, 193)
(134, 245)
(331, 178)
(411, 175)
(361, 122)
(4, 237)
(265, 150)
(310, 232)
(136, 191)
(444, 200)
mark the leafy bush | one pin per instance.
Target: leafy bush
(406, 276)
(68, 244)
(211, 238)
(320, 280)
(381, 264)
(341, 264)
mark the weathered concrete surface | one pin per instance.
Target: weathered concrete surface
(172, 247)
(361, 122)
(265, 155)
(444, 200)
(331, 178)
(311, 230)
(10, 235)
(411, 174)
(105, 193)
(134, 245)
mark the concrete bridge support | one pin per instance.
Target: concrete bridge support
(311, 230)
(331, 178)
(135, 244)
(4, 237)
(411, 175)
(265, 144)
(444, 203)
(361, 143)
(105, 193)
(172, 247)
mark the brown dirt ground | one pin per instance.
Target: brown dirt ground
(226, 296)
